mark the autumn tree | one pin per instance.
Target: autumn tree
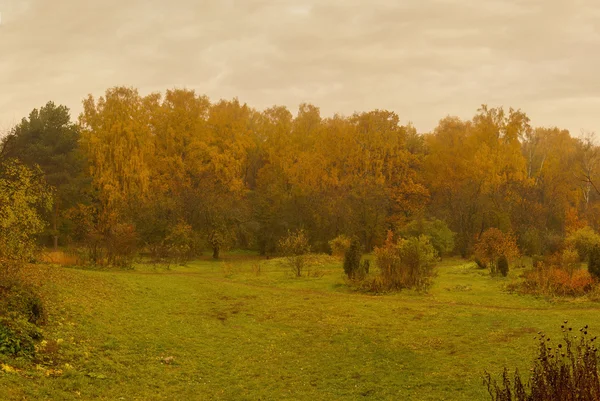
(240, 177)
(583, 241)
(177, 124)
(294, 247)
(219, 169)
(492, 245)
(551, 202)
(454, 183)
(271, 193)
(384, 162)
(24, 196)
(476, 170)
(117, 142)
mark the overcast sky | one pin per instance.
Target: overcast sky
(423, 59)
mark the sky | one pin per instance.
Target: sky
(423, 59)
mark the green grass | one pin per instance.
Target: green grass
(238, 335)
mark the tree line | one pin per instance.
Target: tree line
(173, 174)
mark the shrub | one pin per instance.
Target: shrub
(581, 282)
(594, 261)
(583, 240)
(553, 242)
(502, 264)
(217, 240)
(569, 260)
(531, 241)
(389, 263)
(181, 243)
(88, 234)
(552, 280)
(121, 245)
(21, 311)
(567, 371)
(365, 266)
(537, 259)
(18, 336)
(23, 198)
(440, 236)
(407, 263)
(339, 245)
(493, 244)
(25, 302)
(295, 246)
(352, 259)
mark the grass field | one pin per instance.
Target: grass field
(225, 331)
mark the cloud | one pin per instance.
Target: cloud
(423, 59)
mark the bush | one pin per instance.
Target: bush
(502, 264)
(295, 246)
(553, 242)
(440, 236)
(569, 260)
(493, 244)
(537, 259)
(365, 265)
(552, 280)
(20, 298)
(567, 371)
(479, 263)
(107, 242)
(87, 234)
(121, 245)
(352, 259)
(181, 243)
(594, 261)
(419, 258)
(23, 198)
(339, 245)
(21, 311)
(407, 263)
(531, 242)
(18, 336)
(583, 240)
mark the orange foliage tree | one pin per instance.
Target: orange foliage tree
(241, 177)
(492, 245)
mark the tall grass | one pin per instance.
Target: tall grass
(61, 258)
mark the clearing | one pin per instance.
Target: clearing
(225, 330)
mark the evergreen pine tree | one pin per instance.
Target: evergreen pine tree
(503, 265)
(352, 258)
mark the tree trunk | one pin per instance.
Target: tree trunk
(55, 225)
(216, 252)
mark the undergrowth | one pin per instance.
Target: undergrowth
(22, 312)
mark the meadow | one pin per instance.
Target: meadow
(244, 328)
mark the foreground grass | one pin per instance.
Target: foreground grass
(224, 330)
